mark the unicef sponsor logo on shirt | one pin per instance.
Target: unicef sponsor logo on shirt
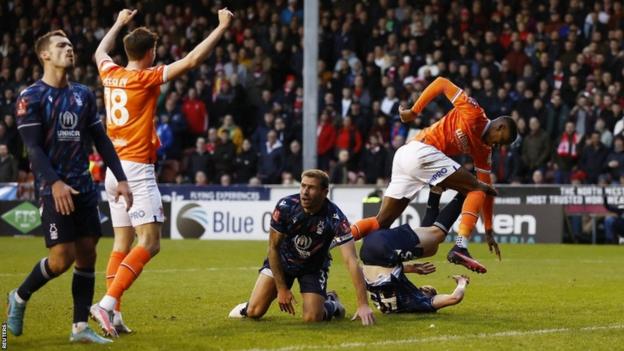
(68, 121)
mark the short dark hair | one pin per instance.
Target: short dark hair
(43, 41)
(318, 174)
(511, 126)
(138, 42)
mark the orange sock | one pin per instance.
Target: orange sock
(363, 227)
(470, 212)
(129, 270)
(114, 261)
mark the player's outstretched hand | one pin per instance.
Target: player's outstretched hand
(459, 278)
(285, 299)
(225, 17)
(62, 194)
(492, 244)
(423, 268)
(125, 16)
(124, 190)
(364, 313)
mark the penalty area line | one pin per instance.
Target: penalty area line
(508, 333)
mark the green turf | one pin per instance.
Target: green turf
(540, 297)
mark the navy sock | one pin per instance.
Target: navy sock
(83, 285)
(433, 209)
(330, 309)
(449, 214)
(37, 278)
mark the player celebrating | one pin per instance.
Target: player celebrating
(302, 228)
(464, 130)
(56, 118)
(384, 251)
(130, 95)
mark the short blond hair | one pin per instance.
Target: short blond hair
(318, 174)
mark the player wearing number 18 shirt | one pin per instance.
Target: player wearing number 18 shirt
(130, 98)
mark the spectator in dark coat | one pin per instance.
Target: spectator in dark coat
(245, 163)
(223, 157)
(294, 160)
(372, 159)
(341, 170)
(593, 158)
(8, 165)
(615, 159)
(535, 147)
(199, 160)
(271, 162)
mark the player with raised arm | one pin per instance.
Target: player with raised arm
(303, 227)
(130, 95)
(57, 120)
(465, 129)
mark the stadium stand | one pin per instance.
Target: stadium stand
(543, 63)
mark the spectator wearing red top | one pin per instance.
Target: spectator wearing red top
(349, 138)
(195, 113)
(326, 140)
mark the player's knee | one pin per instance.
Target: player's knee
(313, 316)
(153, 249)
(255, 312)
(60, 264)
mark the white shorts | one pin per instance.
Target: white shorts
(147, 205)
(415, 165)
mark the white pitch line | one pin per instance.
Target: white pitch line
(509, 333)
(172, 270)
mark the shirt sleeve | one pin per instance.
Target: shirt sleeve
(279, 218)
(27, 110)
(438, 86)
(106, 65)
(92, 117)
(29, 125)
(153, 76)
(342, 229)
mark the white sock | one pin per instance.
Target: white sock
(19, 299)
(78, 327)
(117, 317)
(108, 302)
(461, 242)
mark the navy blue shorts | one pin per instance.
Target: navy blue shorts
(83, 222)
(390, 247)
(308, 282)
(400, 295)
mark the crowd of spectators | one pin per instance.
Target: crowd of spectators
(555, 66)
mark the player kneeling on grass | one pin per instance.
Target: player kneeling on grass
(302, 229)
(384, 251)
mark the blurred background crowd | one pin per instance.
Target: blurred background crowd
(555, 66)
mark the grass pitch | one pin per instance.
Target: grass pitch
(540, 297)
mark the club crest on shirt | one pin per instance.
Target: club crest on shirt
(22, 107)
(78, 99)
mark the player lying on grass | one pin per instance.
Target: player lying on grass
(465, 129)
(384, 252)
(302, 228)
